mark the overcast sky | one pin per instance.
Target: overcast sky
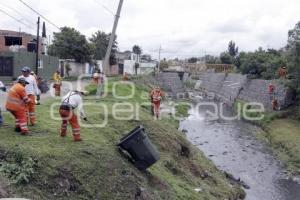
(183, 28)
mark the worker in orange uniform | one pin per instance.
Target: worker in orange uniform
(16, 105)
(32, 91)
(156, 96)
(275, 104)
(57, 82)
(125, 77)
(96, 77)
(282, 72)
(69, 103)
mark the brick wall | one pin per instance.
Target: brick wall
(26, 38)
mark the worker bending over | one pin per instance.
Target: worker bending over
(57, 83)
(156, 96)
(16, 105)
(32, 91)
(69, 103)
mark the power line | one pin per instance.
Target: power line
(105, 7)
(17, 12)
(39, 14)
(16, 19)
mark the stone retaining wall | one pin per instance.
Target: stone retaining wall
(230, 87)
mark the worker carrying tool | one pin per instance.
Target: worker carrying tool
(16, 105)
(32, 91)
(156, 96)
(69, 103)
(57, 82)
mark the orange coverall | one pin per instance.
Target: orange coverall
(57, 83)
(70, 102)
(282, 72)
(16, 104)
(156, 96)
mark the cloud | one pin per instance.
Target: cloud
(182, 28)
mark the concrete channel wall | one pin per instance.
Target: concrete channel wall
(231, 87)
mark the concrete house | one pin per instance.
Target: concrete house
(127, 62)
(17, 49)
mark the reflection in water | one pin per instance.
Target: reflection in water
(232, 146)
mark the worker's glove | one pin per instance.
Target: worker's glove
(85, 119)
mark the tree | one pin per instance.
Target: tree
(138, 51)
(232, 49)
(146, 57)
(71, 44)
(261, 63)
(226, 58)
(100, 39)
(163, 65)
(209, 59)
(192, 60)
(293, 49)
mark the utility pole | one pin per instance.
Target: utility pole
(37, 47)
(159, 52)
(112, 38)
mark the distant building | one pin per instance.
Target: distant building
(12, 41)
(131, 63)
(11, 64)
(17, 49)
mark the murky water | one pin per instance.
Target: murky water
(232, 146)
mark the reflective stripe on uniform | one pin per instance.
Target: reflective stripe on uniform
(32, 114)
(23, 127)
(76, 131)
(14, 101)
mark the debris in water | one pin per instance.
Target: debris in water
(198, 189)
(225, 153)
(184, 131)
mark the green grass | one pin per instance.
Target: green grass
(94, 169)
(281, 130)
(283, 135)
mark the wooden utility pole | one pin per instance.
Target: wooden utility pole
(111, 39)
(37, 47)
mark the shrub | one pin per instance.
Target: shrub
(18, 167)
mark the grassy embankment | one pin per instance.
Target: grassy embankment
(57, 168)
(281, 130)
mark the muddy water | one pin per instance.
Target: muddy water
(232, 146)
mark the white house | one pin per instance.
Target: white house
(128, 61)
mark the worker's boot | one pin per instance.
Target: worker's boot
(63, 133)
(18, 129)
(76, 138)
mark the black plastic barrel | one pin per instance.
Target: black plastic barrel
(140, 148)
